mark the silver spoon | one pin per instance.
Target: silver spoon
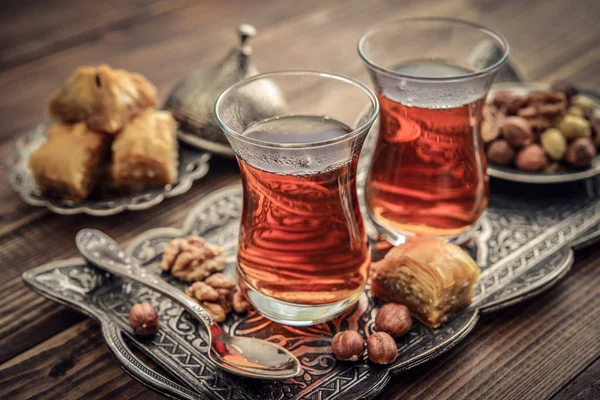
(243, 356)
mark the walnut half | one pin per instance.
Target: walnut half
(218, 294)
(191, 259)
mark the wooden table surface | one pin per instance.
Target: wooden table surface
(547, 347)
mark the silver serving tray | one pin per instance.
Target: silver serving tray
(193, 165)
(516, 175)
(523, 246)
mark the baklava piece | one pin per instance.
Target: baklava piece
(105, 98)
(145, 152)
(431, 277)
(69, 163)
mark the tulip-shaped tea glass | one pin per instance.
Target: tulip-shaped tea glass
(428, 171)
(303, 255)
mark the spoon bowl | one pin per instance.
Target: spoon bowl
(248, 357)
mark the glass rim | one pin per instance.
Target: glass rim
(450, 21)
(329, 75)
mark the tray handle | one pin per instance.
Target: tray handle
(140, 371)
(587, 240)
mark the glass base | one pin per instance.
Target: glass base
(293, 314)
(397, 237)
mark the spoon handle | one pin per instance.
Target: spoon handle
(101, 250)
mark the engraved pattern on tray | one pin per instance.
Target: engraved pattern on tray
(521, 247)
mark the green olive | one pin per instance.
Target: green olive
(574, 110)
(554, 143)
(573, 127)
(584, 102)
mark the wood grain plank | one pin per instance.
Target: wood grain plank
(199, 35)
(519, 353)
(74, 364)
(586, 386)
(165, 45)
(61, 24)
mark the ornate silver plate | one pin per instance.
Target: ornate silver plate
(522, 246)
(515, 175)
(222, 149)
(193, 165)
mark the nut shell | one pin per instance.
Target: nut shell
(554, 143)
(499, 152)
(574, 110)
(382, 348)
(584, 102)
(513, 106)
(143, 318)
(490, 125)
(394, 319)
(574, 127)
(348, 346)
(531, 158)
(581, 153)
(517, 132)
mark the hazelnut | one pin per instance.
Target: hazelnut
(143, 318)
(566, 87)
(531, 158)
(581, 153)
(517, 132)
(499, 152)
(574, 127)
(554, 143)
(574, 110)
(348, 346)
(393, 319)
(584, 102)
(382, 348)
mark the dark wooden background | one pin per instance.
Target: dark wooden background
(548, 347)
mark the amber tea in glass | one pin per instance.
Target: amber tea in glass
(303, 255)
(428, 171)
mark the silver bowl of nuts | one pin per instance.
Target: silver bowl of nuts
(541, 133)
